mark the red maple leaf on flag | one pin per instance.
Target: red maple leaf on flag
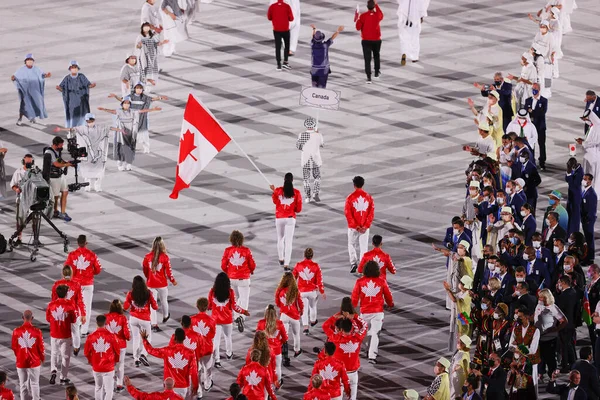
(186, 146)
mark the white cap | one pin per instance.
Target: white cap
(520, 182)
(506, 209)
(474, 184)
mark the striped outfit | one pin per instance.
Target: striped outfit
(309, 143)
(141, 102)
(149, 57)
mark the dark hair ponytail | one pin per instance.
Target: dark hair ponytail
(288, 185)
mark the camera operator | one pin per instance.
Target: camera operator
(15, 184)
(58, 181)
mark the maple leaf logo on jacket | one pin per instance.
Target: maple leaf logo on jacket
(286, 201)
(26, 341)
(283, 301)
(186, 146)
(81, 262)
(70, 294)
(371, 289)
(306, 274)
(113, 327)
(158, 267)
(360, 204)
(177, 361)
(378, 261)
(59, 314)
(201, 328)
(349, 347)
(101, 346)
(328, 373)
(189, 344)
(236, 260)
(220, 304)
(253, 379)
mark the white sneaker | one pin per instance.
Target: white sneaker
(128, 167)
(87, 188)
(19, 122)
(307, 200)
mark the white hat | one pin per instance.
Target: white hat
(555, 11)
(484, 126)
(467, 282)
(474, 184)
(506, 209)
(528, 56)
(465, 244)
(89, 116)
(411, 394)
(520, 182)
(443, 361)
(495, 94)
(545, 23)
(466, 340)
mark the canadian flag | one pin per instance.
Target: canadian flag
(356, 13)
(202, 137)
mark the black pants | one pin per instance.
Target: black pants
(548, 356)
(371, 48)
(542, 144)
(592, 332)
(567, 347)
(588, 232)
(279, 36)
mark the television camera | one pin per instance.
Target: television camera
(77, 153)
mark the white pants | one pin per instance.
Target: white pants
(287, 321)
(60, 353)
(120, 367)
(29, 383)
(375, 322)
(354, 239)
(95, 182)
(183, 392)
(353, 380)
(143, 137)
(105, 383)
(285, 235)
(310, 300)
(226, 331)
(278, 360)
(205, 365)
(88, 295)
(138, 325)
(340, 397)
(242, 295)
(161, 294)
(76, 333)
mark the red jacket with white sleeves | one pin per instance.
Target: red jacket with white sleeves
(280, 14)
(254, 380)
(222, 313)
(284, 207)
(368, 24)
(294, 310)
(371, 293)
(102, 350)
(359, 209)
(140, 311)
(308, 276)
(164, 395)
(237, 262)
(195, 343)
(28, 346)
(316, 394)
(278, 339)
(204, 325)
(74, 294)
(348, 348)
(179, 363)
(6, 394)
(85, 265)
(60, 314)
(272, 364)
(333, 373)
(380, 257)
(157, 279)
(117, 324)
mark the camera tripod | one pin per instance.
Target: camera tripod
(35, 217)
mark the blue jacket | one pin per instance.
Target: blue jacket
(466, 235)
(539, 272)
(538, 115)
(515, 202)
(547, 257)
(532, 179)
(574, 199)
(529, 227)
(589, 205)
(595, 107)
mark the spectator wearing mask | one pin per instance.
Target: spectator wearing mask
(488, 206)
(552, 231)
(492, 384)
(542, 253)
(589, 206)
(528, 335)
(500, 329)
(569, 303)
(593, 291)
(459, 366)
(485, 145)
(577, 246)
(440, 387)
(370, 32)
(567, 391)
(515, 197)
(528, 222)
(485, 266)
(574, 270)
(589, 381)
(531, 178)
(524, 129)
(535, 268)
(521, 276)
(505, 90)
(522, 298)
(554, 205)
(506, 223)
(574, 178)
(549, 319)
(537, 107)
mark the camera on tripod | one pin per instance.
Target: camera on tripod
(35, 191)
(76, 153)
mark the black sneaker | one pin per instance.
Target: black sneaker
(119, 389)
(65, 381)
(353, 269)
(287, 362)
(372, 361)
(75, 352)
(17, 243)
(279, 68)
(155, 328)
(281, 263)
(306, 331)
(369, 81)
(137, 364)
(240, 324)
(297, 353)
(316, 198)
(218, 364)
(53, 378)
(56, 214)
(377, 75)
(286, 268)
(229, 356)
(144, 360)
(314, 323)
(286, 66)
(210, 387)
(165, 319)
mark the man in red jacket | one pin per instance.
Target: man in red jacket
(382, 258)
(102, 351)
(74, 294)
(28, 346)
(280, 14)
(255, 380)
(204, 325)
(60, 314)
(167, 394)
(359, 211)
(370, 32)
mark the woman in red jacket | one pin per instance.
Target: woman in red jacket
(288, 202)
(157, 268)
(291, 307)
(276, 334)
(140, 300)
(310, 283)
(267, 358)
(116, 323)
(238, 264)
(221, 300)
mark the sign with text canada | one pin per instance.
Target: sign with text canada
(326, 99)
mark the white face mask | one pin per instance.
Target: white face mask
(473, 193)
(496, 315)
(523, 213)
(486, 198)
(509, 190)
(556, 250)
(525, 256)
(536, 244)
(547, 222)
(506, 218)
(520, 279)
(455, 232)
(491, 266)
(500, 200)
(568, 268)
(497, 270)
(522, 160)
(584, 184)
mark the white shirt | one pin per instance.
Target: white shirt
(535, 341)
(486, 146)
(572, 391)
(533, 102)
(597, 310)
(150, 14)
(549, 233)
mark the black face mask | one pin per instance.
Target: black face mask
(497, 83)
(28, 165)
(486, 256)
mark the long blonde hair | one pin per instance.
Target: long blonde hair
(158, 248)
(261, 344)
(288, 281)
(270, 320)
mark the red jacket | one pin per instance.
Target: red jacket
(157, 279)
(28, 346)
(204, 325)
(272, 364)
(348, 348)
(164, 395)
(237, 262)
(254, 380)
(358, 324)
(85, 265)
(380, 257)
(333, 373)
(60, 314)
(294, 310)
(6, 394)
(102, 350)
(278, 339)
(284, 207)
(179, 363)
(74, 294)
(359, 209)
(222, 313)
(280, 14)
(117, 324)
(368, 24)
(140, 311)
(308, 276)
(317, 394)
(195, 343)
(371, 293)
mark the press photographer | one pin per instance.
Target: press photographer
(57, 178)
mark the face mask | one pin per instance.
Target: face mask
(486, 198)
(516, 319)
(520, 280)
(455, 232)
(506, 218)
(497, 83)
(535, 91)
(509, 190)
(522, 160)
(514, 240)
(497, 270)
(491, 266)
(536, 244)
(500, 200)
(484, 306)
(28, 165)
(473, 193)
(496, 315)
(547, 222)
(584, 184)
(541, 302)
(523, 213)
(559, 286)
(571, 242)
(525, 256)
(556, 250)
(552, 202)
(568, 268)
(461, 252)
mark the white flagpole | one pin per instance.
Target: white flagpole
(251, 162)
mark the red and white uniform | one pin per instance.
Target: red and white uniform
(193, 342)
(60, 314)
(358, 324)
(334, 375)
(254, 380)
(139, 320)
(204, 326)
(222, 313)
(290, 314)
(140, 311)
(85, 266)
(317, 394)
(286, 207)
(285, 222)
(6, 394)
(74, 294)
(272, 364)
(28, 345)
(359, 211)
(348, 352)
(157, 282)
(238, 264)
(380, 257)
(164, 395)
(179, 363)
(275, 341)
(310, 283)
(102, 352)
(117, 324)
